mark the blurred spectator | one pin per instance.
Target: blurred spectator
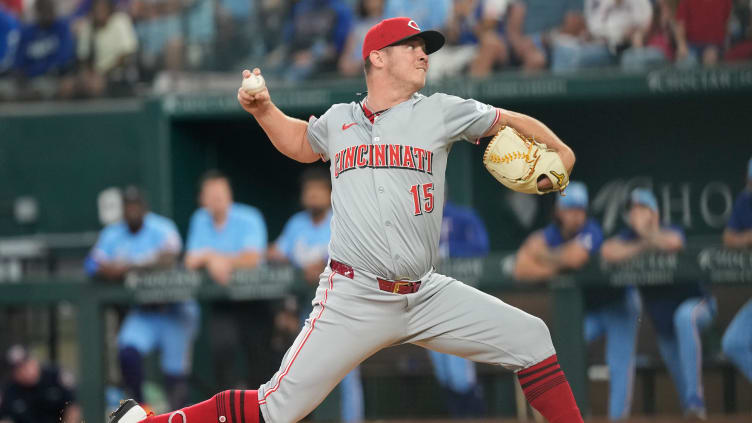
(429, 14)
(238, 33)
(36, 393)
(701, 30)
(224, 236)
(200, 32)
(13, 6)
(614, 25)
(315, 36)
(463, 234)
(272, 17)
(304, 242)
(741, 48)
(160, 38)
(678, 312)
(47, 49)
(145, 241)
(567, 244)
(10, 34)
(737, 341)
(655, 46)
(107, 46)
(542, 31)
(369, 14)
(475, 39)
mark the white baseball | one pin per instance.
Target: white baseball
(254, 84)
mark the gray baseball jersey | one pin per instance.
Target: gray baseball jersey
(388, 178)
(388, 200)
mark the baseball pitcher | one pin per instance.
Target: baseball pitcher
(388, 156)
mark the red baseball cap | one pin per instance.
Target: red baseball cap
(395, 30)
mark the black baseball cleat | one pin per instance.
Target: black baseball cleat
(128, 412)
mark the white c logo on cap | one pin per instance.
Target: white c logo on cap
(413, 25)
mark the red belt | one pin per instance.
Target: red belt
(395, 287)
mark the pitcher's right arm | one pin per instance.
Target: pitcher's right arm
(287, 134)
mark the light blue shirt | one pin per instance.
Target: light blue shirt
(117, 243)
(302, 241)
(428, 14)
(244, 230)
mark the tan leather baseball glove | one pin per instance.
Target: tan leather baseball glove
(517, 162)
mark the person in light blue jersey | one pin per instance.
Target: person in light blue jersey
(568, 244)
(225, 236)
(304, 243)
(463, 235)
(737, 341)
(679, 312)
(145, 241)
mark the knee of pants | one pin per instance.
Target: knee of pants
(683, 314)
(536, 339)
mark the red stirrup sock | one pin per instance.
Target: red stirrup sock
(236, 406)
(548, 391)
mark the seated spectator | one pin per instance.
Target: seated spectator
(107, 46)
(701, 30)
(542, 31)
(429, 14)
(145, 241)
(741, 47)
(200, 32)
(678, 312)
(615, 25)
(567, 244)
(160, 38)
(304, 242)
(314, 38)
(10, 34)
(224, 236)
(737, 341)
(36, 393)
(654, 47)
(463, 234)
(369, 14)
(47, 49)
(475, 39)
(238, 34)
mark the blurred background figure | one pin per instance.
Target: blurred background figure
(106, 49)
(368, 14)
(36, 393)
(615, 25)
(543, 32)
(568, 244)
(304, 242)
(701, 30)
(463, 235)
(225, 236)
(160, 38)
(46, 55)
(737, 341)
(678, 312)
(144, 241)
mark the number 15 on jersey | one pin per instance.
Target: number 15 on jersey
(426, 191)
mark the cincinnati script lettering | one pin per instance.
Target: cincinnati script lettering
(383, 156)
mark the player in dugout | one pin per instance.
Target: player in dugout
(145, 241)
(567, 244)
(380, 287)
(679, 312)
(737, 341)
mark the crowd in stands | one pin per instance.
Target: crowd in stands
(91, 48)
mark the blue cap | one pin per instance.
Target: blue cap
(644, 197)
(749, 170)
(575, 197)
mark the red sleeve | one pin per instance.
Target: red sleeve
(729, 5)
(681, 11)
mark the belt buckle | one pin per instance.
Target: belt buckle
(398, 285)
